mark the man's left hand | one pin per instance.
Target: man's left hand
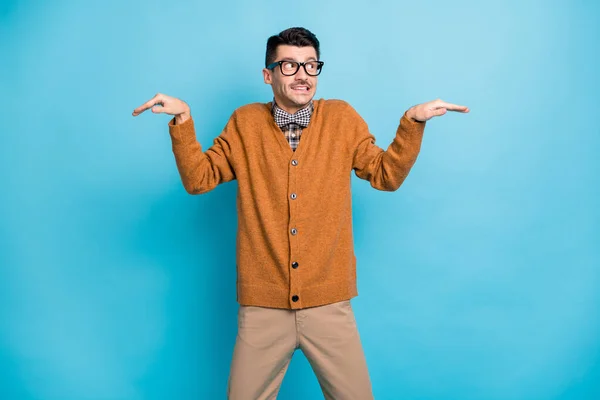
(435, 108)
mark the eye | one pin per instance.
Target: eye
(289, 65)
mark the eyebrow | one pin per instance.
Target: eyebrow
(291, 59)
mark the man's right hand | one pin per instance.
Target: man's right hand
(161, 103)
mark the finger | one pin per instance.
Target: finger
(148, 104)
(143, 108)
(139, 110)
(455, 107)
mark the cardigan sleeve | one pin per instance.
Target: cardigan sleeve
(202, 171)
(386, 170)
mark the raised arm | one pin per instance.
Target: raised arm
(200, 171)
(387, 170)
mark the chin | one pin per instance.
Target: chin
(300, 101)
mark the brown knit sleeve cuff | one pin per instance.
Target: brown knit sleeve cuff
(182, 133)
(410, 125)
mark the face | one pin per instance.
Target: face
(292, 92)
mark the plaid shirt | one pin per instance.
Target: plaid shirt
(291, 125)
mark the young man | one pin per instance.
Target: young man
(296, 268)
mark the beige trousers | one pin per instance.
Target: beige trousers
(328, 337)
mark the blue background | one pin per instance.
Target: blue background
(478, 279)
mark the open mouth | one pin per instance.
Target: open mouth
(300, 89)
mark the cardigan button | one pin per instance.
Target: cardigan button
(295, 298)
(294, 162)
(293, 196)
(295, 265)
(294, 231)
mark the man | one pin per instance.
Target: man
(296, 268)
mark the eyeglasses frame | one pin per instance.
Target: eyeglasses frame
(300, 64)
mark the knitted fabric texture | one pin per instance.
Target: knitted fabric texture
(294, 237)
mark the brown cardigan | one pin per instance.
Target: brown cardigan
(294, 240)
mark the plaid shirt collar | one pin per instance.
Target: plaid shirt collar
(300, 117)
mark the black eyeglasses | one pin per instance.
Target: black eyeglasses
(289, 68)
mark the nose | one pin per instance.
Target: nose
(301, 75)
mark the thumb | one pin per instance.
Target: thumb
(157, 109)
(439, 111)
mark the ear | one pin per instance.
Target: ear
(267, 76)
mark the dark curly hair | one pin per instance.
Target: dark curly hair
(300, 37)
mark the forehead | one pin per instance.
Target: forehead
(285, 51)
